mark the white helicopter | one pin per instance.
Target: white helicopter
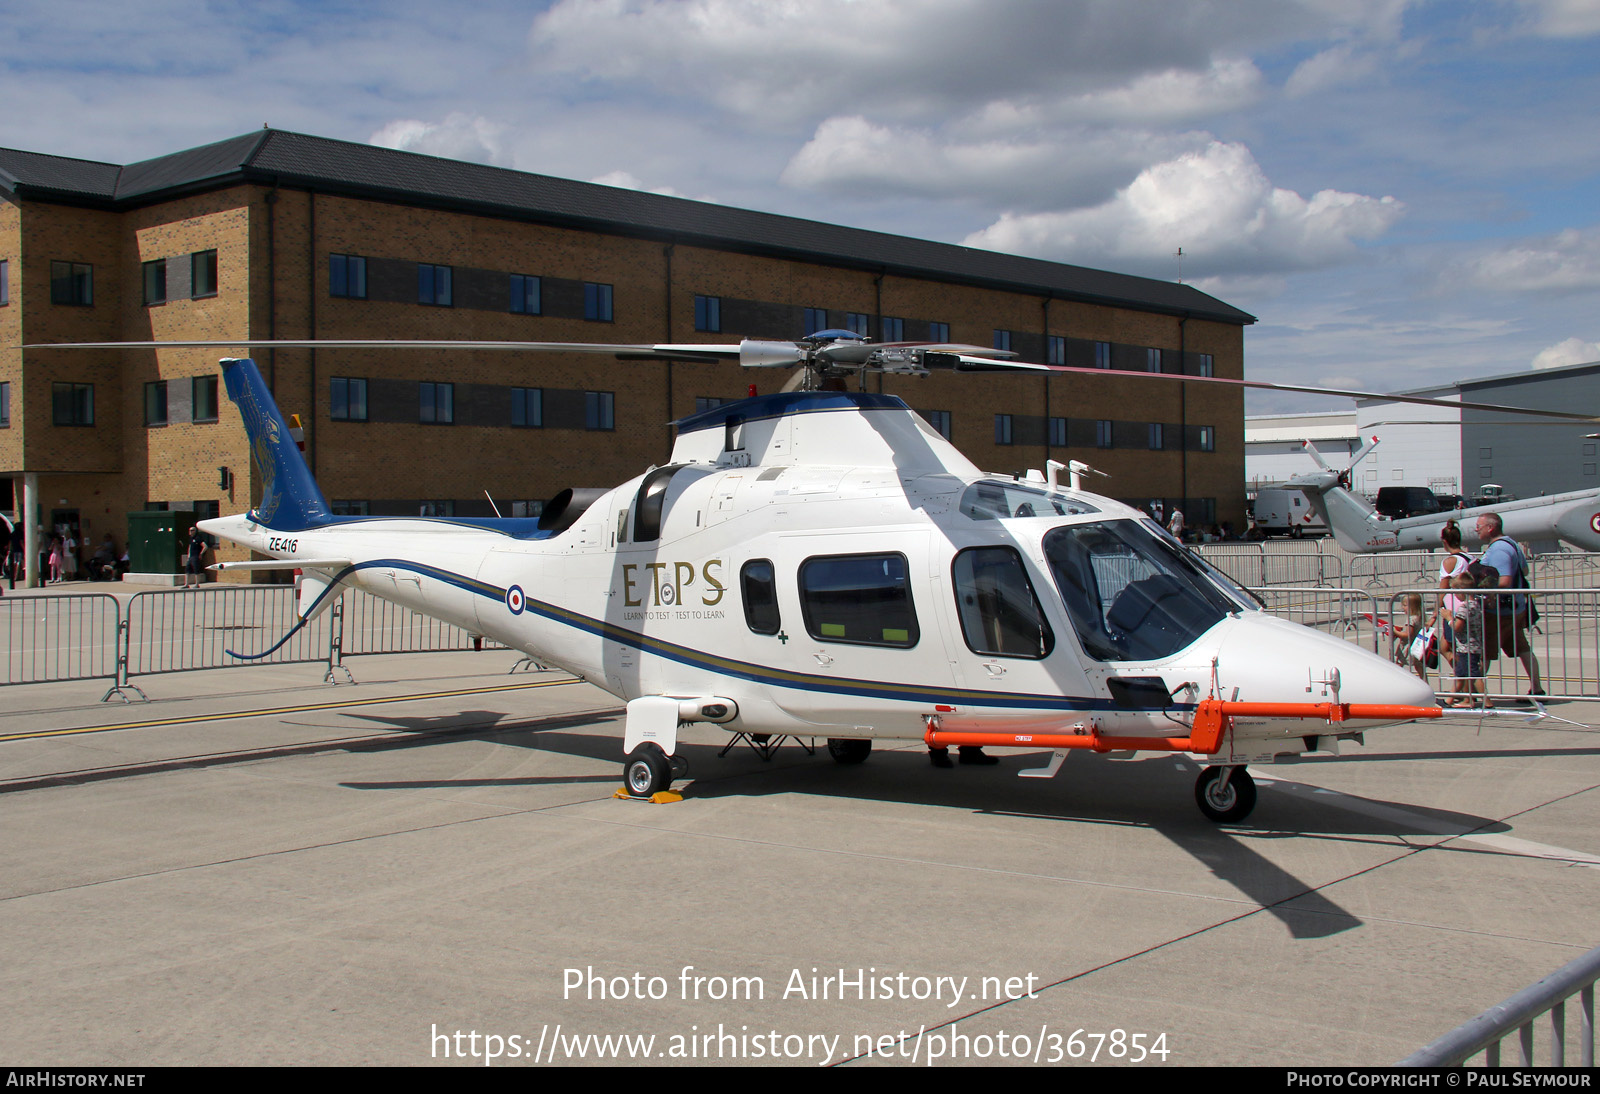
(1573, 517)
(822, 563)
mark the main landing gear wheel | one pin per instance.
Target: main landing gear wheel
(1225, 798)
(849, 750)
(647, 770)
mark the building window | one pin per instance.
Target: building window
(5, 405)
(72, 283)
(940, 420)
(857, 323)
(1157, 436)
(938, 332)
(437, 403)
(708, 402)
(526, 295)
(527, 407)
(202, 274)
(433, 285)
(1002, 429)
(155, 282)
(861, 599)
(599, 410)
(1208, 439)
(1002, 339)
(436, 509)
(349, 508)
(1208, 365)
(72, 404)
(894, 330)
(347, 400)
(1102, 355)
(1058, 433)
(534, 509)
(5, 281)
(1152, 361)
(1102, 433)
(815, 319)
(347, 276)
(155, 403)
(597, 302)
(1055, 350)
(708, 313)
(203, 398)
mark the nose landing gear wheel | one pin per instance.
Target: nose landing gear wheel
(1223, 797)
(647, 770)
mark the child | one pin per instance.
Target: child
(1406, 633)
(1464, 614)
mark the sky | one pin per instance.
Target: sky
(1404, 192)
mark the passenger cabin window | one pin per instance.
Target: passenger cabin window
(864, 600)
(999, 613)
(758, 582)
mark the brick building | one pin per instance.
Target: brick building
(281, 235)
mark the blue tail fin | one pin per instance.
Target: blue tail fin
(290, 498)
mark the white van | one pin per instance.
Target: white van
(1284, 511)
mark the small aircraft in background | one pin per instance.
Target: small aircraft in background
(1573, 517)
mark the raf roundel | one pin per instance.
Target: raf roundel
(1594, 522)
(514, 599)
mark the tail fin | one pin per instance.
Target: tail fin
(290, 498)
(1352, 521)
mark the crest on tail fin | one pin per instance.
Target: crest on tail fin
(290, 498)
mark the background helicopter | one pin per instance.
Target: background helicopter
(1573, 517)
(822, 563)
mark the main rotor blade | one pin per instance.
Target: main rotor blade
(758, 354)
(1269, 385)
(646, 349)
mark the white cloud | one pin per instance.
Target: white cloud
(1574, 351)
(1563, 18)
(1568, 261)
(852, 155)
(1171, 95)
(626, 180)
(1341, 65)
(920, 60)
(459, 137)
(1218, 206)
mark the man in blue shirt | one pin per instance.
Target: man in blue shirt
(1506, 620)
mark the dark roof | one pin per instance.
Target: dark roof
(277, 157)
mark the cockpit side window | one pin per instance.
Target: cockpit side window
(1127, 597)
(860, 599)
(1000, 615)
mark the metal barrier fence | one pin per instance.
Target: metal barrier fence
(1351, 614)
(187, 629)
(1519, 1014)
(1564, 641)
(97, 636)
(45, 638)
(371, 624)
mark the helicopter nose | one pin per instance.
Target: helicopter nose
(1266, 659)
